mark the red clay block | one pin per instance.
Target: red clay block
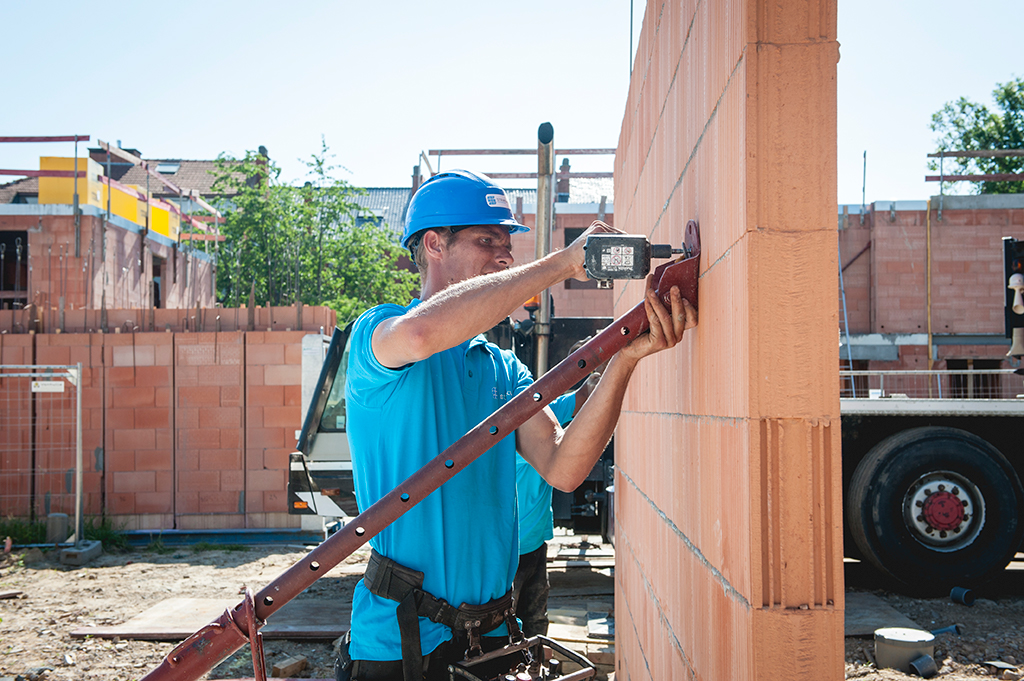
(231, 396)
(253, 375)
(153, 375)
(218, 502)
(220, 375)
(275, 501)
(133, 397)
(198, 439)
(121, 504)
(282, 417)
(118, 419)
(231, 438)
(283, 375)
(135, 439)
(232, 480)
(264, 480)
(199, 481)
(264, 353)
(154, 460)
(134, 481)
(220, 459)
(120, 461)
(264, 438)
(220, 417)
(278, 458)
(152, 417)
(293, 396)
(198, 396)
(153, 502)
(265, 395)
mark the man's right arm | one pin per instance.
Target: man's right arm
(473, 306)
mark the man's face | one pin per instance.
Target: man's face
(478, 250)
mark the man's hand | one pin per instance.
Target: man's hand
(667, 327)
(574, 251)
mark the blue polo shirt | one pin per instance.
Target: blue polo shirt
(533, 493)
(463, 536)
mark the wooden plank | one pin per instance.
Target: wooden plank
(52, 138)
(596, 564)
(9, 594)
(866, 612)
(582, 554)
(175, 619)
(981, 153)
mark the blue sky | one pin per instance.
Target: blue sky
(384, 81)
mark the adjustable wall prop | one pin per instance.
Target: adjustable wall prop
(200, 652)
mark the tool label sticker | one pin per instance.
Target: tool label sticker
(617, 258)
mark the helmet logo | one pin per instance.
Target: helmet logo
(497, 201)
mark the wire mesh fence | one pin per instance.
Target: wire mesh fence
(40, 441)
(981, 384)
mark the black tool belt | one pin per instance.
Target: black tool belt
(387, 579)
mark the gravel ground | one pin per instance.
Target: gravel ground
(992, 630)
(35, 627)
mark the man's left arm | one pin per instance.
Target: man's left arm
(565, 458)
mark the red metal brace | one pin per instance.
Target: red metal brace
(200, 652)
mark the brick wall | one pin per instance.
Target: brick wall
(887, 285)
(185, 430)
(112, 277)
(728, 484)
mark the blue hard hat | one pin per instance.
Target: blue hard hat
(458, 198)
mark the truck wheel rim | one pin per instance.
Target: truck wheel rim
(944, 511)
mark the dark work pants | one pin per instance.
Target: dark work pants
(531, 591)
(436, 663)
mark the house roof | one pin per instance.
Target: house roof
(189, 174)
(28, 185)
(581, 190)
(388, 203)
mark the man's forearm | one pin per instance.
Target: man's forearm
(470, 307)
(586, 437)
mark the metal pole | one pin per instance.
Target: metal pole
(79, 520)
(846, 320)
(545, 211)
(77, 211)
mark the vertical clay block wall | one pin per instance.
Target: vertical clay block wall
(16, 433)
(728, 479)
(273, 412)
(208, 430)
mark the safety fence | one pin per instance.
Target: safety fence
(981, 384)
(41, 441)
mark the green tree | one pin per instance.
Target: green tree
(964, 125)
(307, 243)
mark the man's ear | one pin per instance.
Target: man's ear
(433, 244)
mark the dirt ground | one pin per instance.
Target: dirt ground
(36, 626)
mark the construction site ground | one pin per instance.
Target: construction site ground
(47, 610)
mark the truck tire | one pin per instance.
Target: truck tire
(936, 507)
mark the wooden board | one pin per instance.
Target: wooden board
(175, 619)
(866, 612)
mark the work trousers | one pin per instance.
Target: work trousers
(435, 665)
(530, 589)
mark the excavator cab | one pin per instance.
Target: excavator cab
(320, 471)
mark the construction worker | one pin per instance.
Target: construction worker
(437, 587)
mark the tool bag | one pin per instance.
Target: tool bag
(387, 579)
